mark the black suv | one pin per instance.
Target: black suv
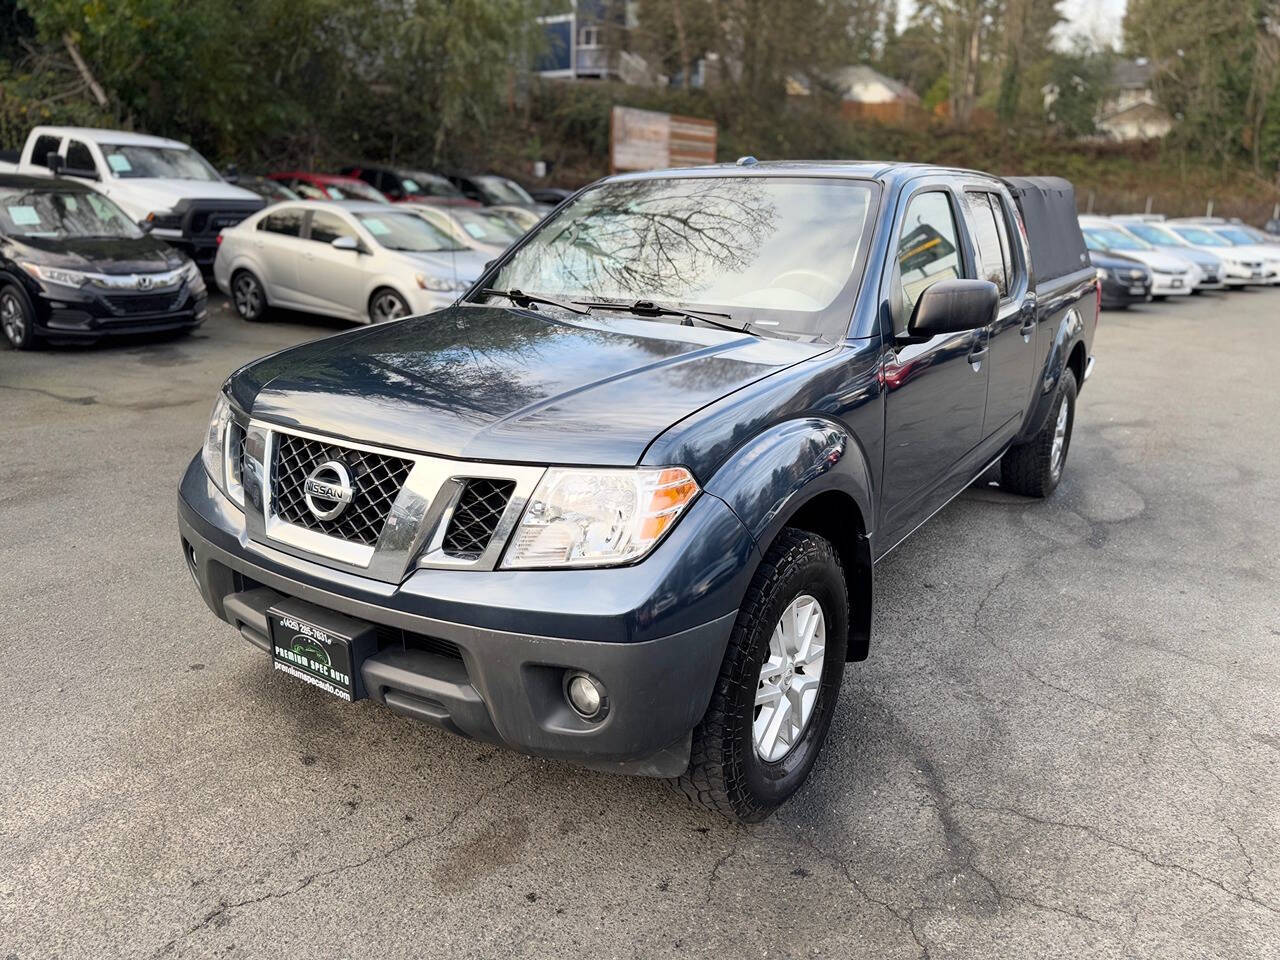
(73, 266)
(622, 503)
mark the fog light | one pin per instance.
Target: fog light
(586, 695)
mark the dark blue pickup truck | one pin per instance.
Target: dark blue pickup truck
(622, 503)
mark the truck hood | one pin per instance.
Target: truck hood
(489, 383)
(141, 195)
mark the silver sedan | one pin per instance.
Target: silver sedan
(367, 262)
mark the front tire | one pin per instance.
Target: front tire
(1034, 468)
(778, 684)
(17, 318)
(249, 296)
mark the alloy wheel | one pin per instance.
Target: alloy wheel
(790, 678)
(248, 296)
(1056, 454)
(12, 318)
(388, 306)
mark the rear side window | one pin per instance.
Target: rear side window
(287, 222)
(991, 238)
(927, 248)
(45, 145)
(79, 157)
(328, 227)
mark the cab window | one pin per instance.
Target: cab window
(928, 250)
(286, 222)
(328, 227)
(79, 159)
(991, 239)
(45, 145)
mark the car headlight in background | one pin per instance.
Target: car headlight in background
(218, 462)
(581, 517)
(66, 278)
(426, 281)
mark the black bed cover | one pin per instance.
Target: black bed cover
(1048, 206)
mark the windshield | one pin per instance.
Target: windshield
(1152, 234)
(780, 253)
(1236, 236)
(174, 163)
(428, 185)
(1200, 237)
(407, 232)
(354, 190)
(502, 190)
(1113, 239)
(487, 227)
(58, 214)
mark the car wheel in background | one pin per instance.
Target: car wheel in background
(249, 297)
(17, 318)
(386, 304)
(777, 688)
(1034, 468)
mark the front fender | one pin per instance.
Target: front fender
(776, 479)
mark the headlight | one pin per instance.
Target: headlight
(67, 278)
(585, 518)
(165, 219)
(426, 281)
(218, 461)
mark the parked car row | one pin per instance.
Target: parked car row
(1140, 257)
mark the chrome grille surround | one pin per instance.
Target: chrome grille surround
(416, 521)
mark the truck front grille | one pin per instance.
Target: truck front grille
(376, 480)
(476, 517)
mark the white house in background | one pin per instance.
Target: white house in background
(1131, 111)
(862, 84)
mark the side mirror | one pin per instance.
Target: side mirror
(145, 225)
(231, 174)
(951, 306)
(345, 243)
(53, 160)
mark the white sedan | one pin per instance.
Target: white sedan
(367, 262)
(1257, 264)
(1171, 275)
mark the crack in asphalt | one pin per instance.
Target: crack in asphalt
(1246, 896)
(213, 915)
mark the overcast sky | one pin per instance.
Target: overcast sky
(1096, 20)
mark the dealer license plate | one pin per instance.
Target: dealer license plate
(1175, 282)
(313, 654)
(1137, 291)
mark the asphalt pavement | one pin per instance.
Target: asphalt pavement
(1065, 743)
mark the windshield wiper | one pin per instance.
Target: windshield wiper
(522, 299)
(647, 308)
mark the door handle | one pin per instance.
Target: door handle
(1028, 320)
(976, 354)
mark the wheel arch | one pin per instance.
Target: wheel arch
(812, 474)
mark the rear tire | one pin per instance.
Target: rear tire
(386, 304)
(249, 296)
(1034, 468)
(17, 318)
(735, 768)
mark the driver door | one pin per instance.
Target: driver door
(935, 389)
(332, 280)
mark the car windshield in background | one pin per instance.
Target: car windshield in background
(1201, 238)
(1152, 234)
(1116, 240)
(429, 185)
(1236, 236)
(502, 190)
(172, 163)
(487, 227)
(353, 190)
(407, 232)
(783, 254)
(56, 214)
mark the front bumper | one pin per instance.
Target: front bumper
(1168, 285)
(494, 670)
(1121, 293)
(84, 314)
